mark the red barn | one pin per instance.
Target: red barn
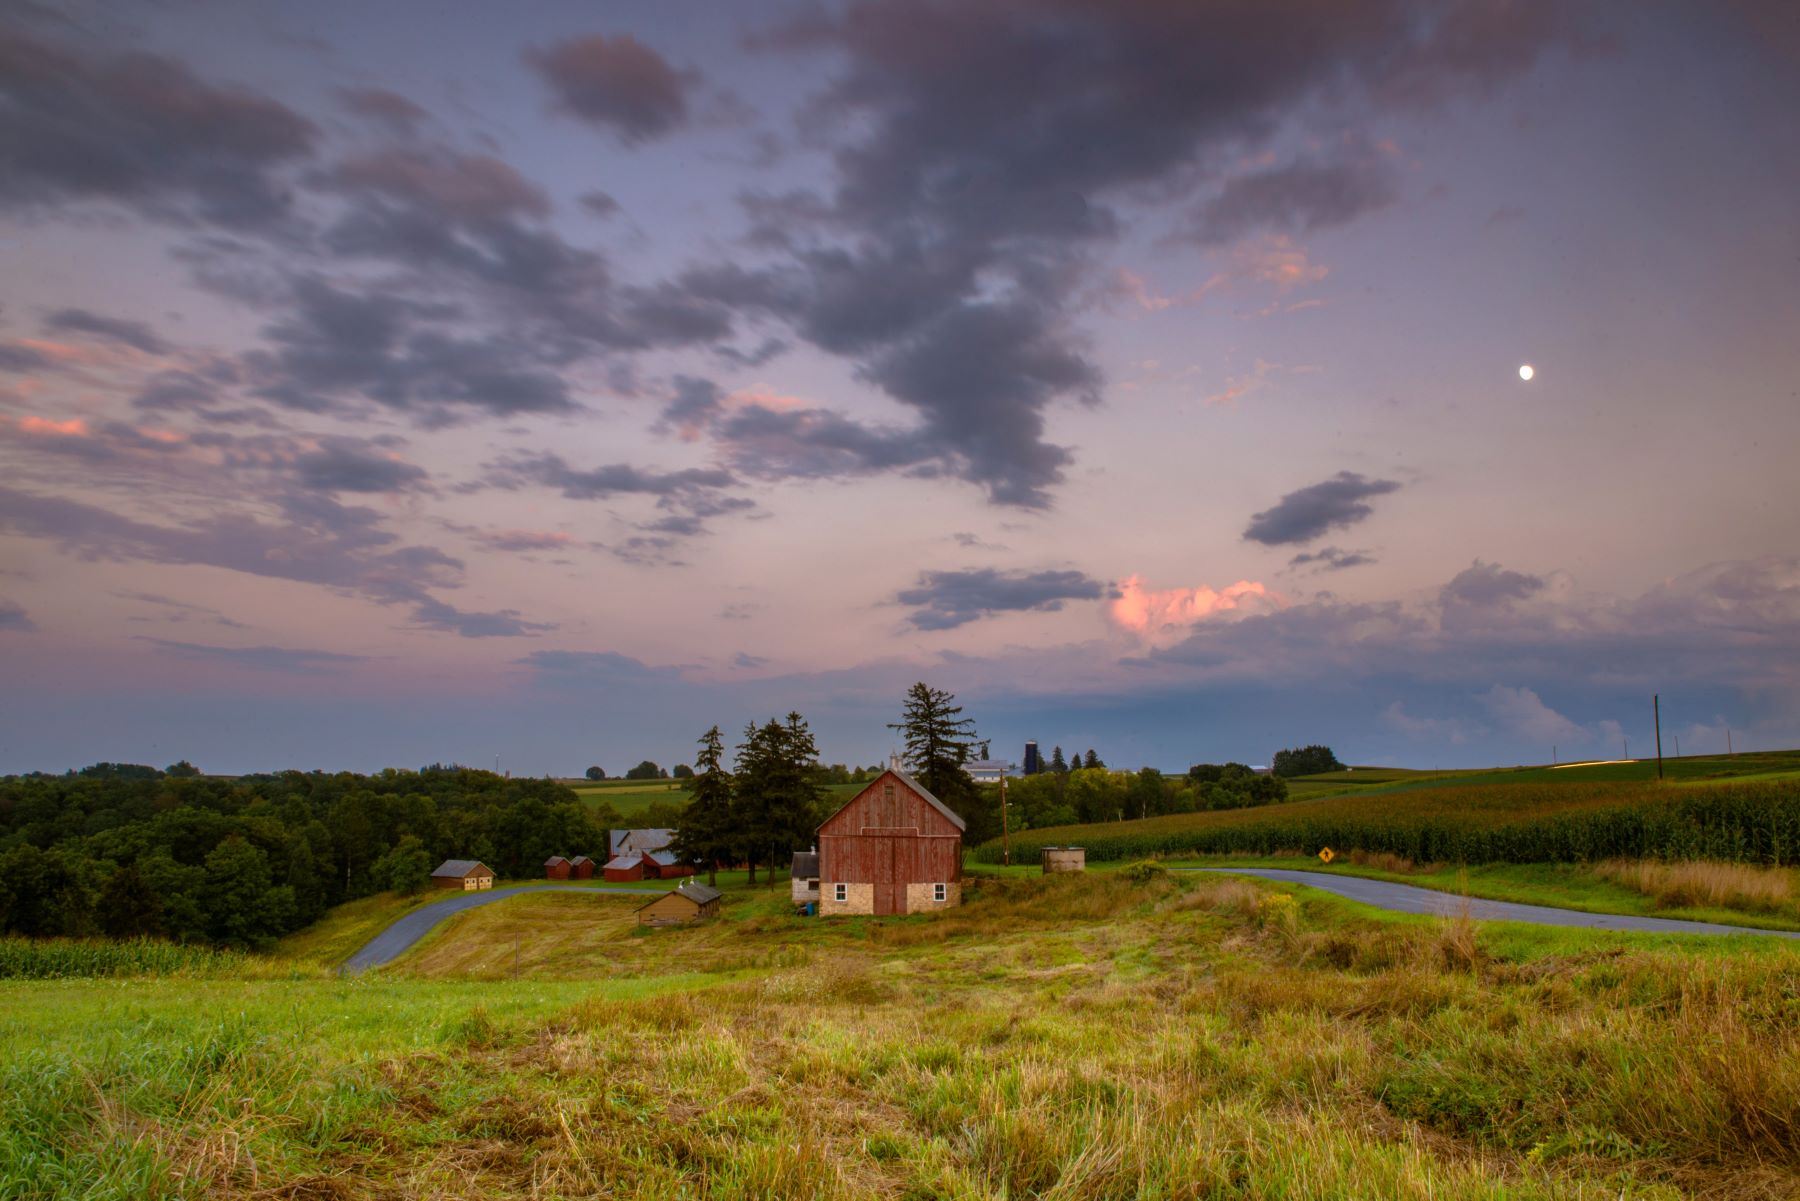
(894, 848)
(556, 868)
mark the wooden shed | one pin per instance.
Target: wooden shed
(621, 868)
(803, 877)
(1064, 859)
(469, 875)
(662, 865)
(556, 868)
(689, 902)
(581, 868)
(893, 848)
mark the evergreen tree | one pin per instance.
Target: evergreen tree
(1092, 759)
(777, 798)
(1057, 763)
(939, 741)
(706, 830)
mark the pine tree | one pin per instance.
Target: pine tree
(705, 833)
(1092, 760)
(1057, 763)
(778, 800)
(939, 741)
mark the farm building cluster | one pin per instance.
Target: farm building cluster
(893, 848)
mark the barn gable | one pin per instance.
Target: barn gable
(895, 801)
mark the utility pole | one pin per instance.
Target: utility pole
(1553, 754)
(1678, 746)
(1656, 717)
(1005, 828)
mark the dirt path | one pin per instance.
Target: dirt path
(1409, 898)
(399, 938)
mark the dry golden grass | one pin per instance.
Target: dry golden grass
(1702, 883)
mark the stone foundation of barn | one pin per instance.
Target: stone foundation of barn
(918, 897)
(861, 900)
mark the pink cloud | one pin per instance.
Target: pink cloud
(74, 427)
(1166, 614)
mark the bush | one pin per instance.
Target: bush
(1143, 871)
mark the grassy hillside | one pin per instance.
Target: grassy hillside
(1087, 1037)
(1744, 809)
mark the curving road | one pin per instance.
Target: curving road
(398, 938)
(1409, 898)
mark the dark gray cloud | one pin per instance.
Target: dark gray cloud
(1298, 197)
(335, 346)
(599, 203)
(1306, 513)
(696, 403)
(317, 541)
(260, 658)
(15, 619)
(617, 83)
(180, 611)
(748, 661)
(134, 334)
(143, 131)
(1485, 584)
(1331, 558)
(458, 188)
(982, 149)
(947, 599)
(352, 465)
(614, 479)
(595, 665)
(14, 357)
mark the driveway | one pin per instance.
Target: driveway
(399, 938)
(1409, 898)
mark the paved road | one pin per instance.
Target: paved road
(398, 938)
(1408, 898)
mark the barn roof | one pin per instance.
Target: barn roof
(579, 860)
(806, 865)
(622, 841)
(554, 860)
(949, 813)
(622, 863)
(662, 858)
(461, 867)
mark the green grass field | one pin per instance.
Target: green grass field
(1071, 1037)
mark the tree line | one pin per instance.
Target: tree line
(243, 861)
(1084, 795)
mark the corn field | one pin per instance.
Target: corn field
(1499, 823)
(58, 958)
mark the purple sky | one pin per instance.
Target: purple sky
(390, 383)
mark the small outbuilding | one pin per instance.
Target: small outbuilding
(581, 868)
(662, 865)
(691, 901)
(804, 878)
(556, 868)
(470, 875)
(1064, 859)
(621, 868)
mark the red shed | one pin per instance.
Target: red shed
(625, 867)
(894, 848)
(556, 868)
(581, 868)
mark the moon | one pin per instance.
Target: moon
(1526, 371)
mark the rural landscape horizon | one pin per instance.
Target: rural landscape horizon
(917, 600)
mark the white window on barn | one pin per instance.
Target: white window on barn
(940, 892)
(840, 892)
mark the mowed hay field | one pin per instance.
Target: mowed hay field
(1089, 1037)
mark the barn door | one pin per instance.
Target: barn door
(888, 897)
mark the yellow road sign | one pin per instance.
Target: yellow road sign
(1325, 856)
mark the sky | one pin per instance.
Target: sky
(536, 386)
